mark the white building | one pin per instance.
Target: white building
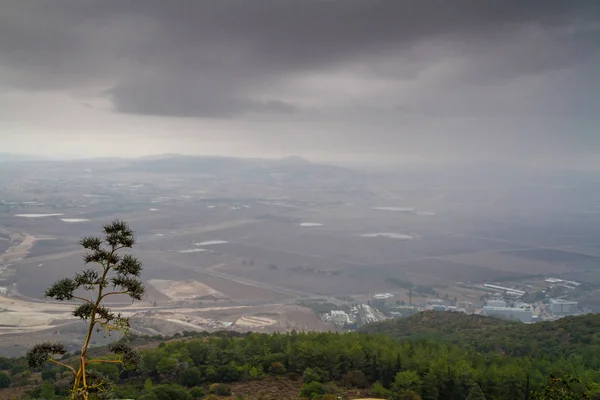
(495, 303)
(506, 290)
(562, 308)
(517, 314)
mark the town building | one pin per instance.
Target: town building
(516, 314)
(435, 302)
(467, 306)
(379, 300)
(495, 303)
(563, 308)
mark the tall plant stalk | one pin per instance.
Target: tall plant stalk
(115, 274)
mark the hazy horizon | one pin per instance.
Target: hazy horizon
(376, 82)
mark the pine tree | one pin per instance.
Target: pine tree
(116, 271)
(475, 393)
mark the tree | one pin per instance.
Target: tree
(118, 272)
(4, 380)
(197, 392)
(476, 393)
(148, 385)
(559, 389)
(355, 379)
(378, 390)
(171, 392)
(406, 395)
(191, 377)
(406, 380)
(48, 374)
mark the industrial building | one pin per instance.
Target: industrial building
(467, 306)
(517, 314)
(563, 308)
(435, 302)
(495, 303)
(379, 300)
(504, 289)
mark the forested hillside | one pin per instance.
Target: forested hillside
(426, 365)
(570, 337)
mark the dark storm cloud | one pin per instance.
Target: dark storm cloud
(220, 58)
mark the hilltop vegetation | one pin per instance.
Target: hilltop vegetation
(433, 356)
(570, 337)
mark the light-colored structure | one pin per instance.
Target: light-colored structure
(378, 300)
(340, 317)
(504, 289)
(563, 308)
(517, 314)
(435, 302)
(465, 305)
(495, 303)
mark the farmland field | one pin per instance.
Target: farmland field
(559, 257)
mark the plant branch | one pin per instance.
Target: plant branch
(105, 361)
(112, 293)
(82, 299)
(109, 326)
(63, 365)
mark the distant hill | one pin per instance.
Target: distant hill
(293, 169)
(561, 338)
(297, 160)
(10, 157)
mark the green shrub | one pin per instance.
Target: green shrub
(148, 396)
(277, 368)
(314, 375)
(171, 392)
(331, 388)
(326, 397)
(355, 379)
(220, 389)
(4, 380)
(312, 390)
(378, 390)
(197, 392)
(191, 377)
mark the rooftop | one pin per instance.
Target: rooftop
(562, 301)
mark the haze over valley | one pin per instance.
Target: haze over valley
(278, 244)
(331, 199)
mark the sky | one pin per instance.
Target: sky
(381, 81)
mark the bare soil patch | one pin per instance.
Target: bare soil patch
(184, 290)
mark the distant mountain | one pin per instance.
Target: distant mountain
(10, 157)
(295, 160)
(293, 168)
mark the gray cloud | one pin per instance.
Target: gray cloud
(383, 64)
